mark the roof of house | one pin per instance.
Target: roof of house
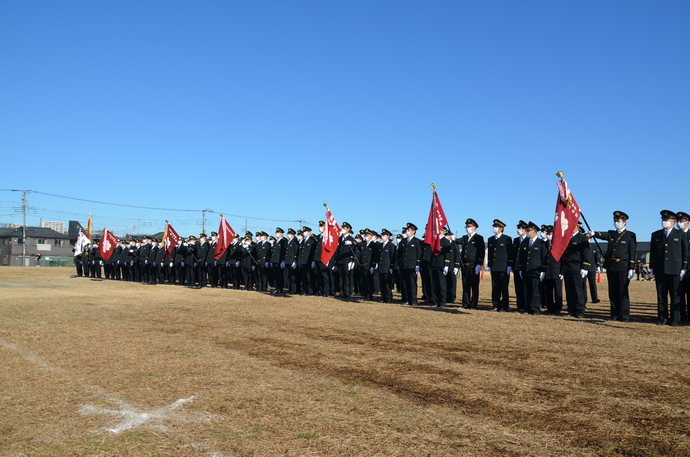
(32, 232)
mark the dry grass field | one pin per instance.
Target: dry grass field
(106, 368)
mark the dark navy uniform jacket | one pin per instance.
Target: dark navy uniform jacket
(668, 255)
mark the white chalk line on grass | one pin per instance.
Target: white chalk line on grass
(132, 417)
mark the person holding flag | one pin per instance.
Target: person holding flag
(619, 262)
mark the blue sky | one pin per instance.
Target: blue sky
(266, 110)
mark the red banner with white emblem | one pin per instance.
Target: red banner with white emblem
(329, 242)
(170, 239)
(225, 236)
(108, 244)
(567, 214)
(434, 226)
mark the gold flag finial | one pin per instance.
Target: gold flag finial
(433, 186)
(560, 174)
(221, 216)
(326, 205)
(166, 221)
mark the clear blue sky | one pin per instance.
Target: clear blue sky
(269, 109)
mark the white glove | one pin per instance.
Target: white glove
(313, 264)
(631, 273)
(560, 277)
(253, 267)
(227, 264)
(583, 273)
(377, 266)
(390, 272)
(455, 271)
(445, 271)
(282, 264)
(398, 268)
(541, 276)
(118, 262)
(520, 275)
(146, 262)
(237, 264)
(335, 268)
(651, 272)
(182, 263)
(350, 266)
(598, 269)
(215, 263)
(682, 274)
(509, 269)
(131, 263)
(195, 264)
(477, 269)
(265, 264)
(590, 233)
(171, 264)
(416, 269)
(294, 265)
(371, 270)
(348, 242)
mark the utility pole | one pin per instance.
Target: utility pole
(24, 227)
(301, 223)
(203, 219)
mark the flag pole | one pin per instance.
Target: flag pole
(433, 188)
(584, 219)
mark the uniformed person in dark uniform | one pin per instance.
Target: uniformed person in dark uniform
(306, 264)
(683, 219)
(515, 267)
(668, 262)
(575, 268)
(619, 263)
(500, 247)
(386, 265)
(472, 258)
(367, 263)
(552, 285)
(346, 258)
(591, 279)
(278, 261)
(291, 256)
(201, 267)
(263, 252)
(324, 272)
(455, 260)
(409, 259)
(213, 266)
(440, 266)
(533, 256)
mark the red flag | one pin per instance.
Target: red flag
(434, 226)
(108, 244)
(170, 238)
(567, 214)
(225, 236)
(329, 241)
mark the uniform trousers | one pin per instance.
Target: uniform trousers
(346, 280)
(553, 295)
(519, 285)
(591, 281)
(499, 289)
(408, 277)
(532, 296)
(451, 286)
(386, 284)
(279, 277)
(325, 279)
(668, 286)
(470, 287)
(618, 294)
(574, 294)
(685, 298)
(437, 287)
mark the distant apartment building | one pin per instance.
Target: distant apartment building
(54, 247)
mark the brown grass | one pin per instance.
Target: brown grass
(311, 376)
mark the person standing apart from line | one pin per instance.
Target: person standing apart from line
(668, 262)
(619, 263)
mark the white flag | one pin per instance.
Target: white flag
(81, 243)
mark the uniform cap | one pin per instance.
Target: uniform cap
(410, 225)
(446, 231)
(192, 238)
(214, 233)
(471, 221)
(543, 227)
(666, 214)
(549, 228)
(248, 233)
(498, 223)
(533, 226)
(322, 223)
(386, 232)
(306, 229)
(279, 230)
(358, 237)
(248, 238)
(620, 214)
(272, 238)
(202, 235)
(683, 216)
(399, 236)
(522, 224)
(347, 225)
(291, 230)
(299, 232)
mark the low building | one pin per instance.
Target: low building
(55, 247)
